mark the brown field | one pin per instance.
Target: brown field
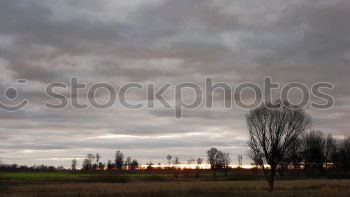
(317, 188)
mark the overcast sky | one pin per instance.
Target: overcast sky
(162, 41)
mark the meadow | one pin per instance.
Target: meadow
(61, 184)
(33, 175)
(185, 188)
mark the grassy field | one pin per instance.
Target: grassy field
(305, 188)
(34, 175)
(63, 175)
(142, 184)
(191, 188)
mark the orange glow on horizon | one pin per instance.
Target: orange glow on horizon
(191, 166)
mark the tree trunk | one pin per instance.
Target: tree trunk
(271, 178)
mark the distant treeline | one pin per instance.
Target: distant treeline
(35, 168)
(314, 150)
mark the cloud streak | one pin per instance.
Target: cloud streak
(162, 41)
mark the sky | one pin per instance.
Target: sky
(161, 41)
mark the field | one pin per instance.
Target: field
(66, 184)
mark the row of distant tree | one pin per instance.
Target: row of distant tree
(92, 162)
(316, 150)
(216, 158)
(312, 150)
(34, 168)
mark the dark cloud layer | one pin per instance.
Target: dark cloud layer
(162, 41)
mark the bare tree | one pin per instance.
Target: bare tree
(94, 166)
(109, 165)
(226, 160)
(344, 153)
(177, 160)
(199, 161)
(169, 157)
(329, 149)
(98, 157)
(86, 165)
(101, 166)
(74, 164)
(240, 158)
(119, 160)
(272, 133)
(215, 159)
(90, 157)
(134, 164)
(150, 165)
(128, 163)
(295, 155)
(314, 149)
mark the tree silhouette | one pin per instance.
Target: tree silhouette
(344, 153)
(177, 160)
(329, 149)
(272, 133)
(314, 149)
(134, 164)
(119, 160)
(86, 165)
(226, 160)
(98, 157)
(295, 155)
(169, 157)
(199, 161)
(74, 164)
(128, 162)
(90, 157)
(109, 165)
(215, 159)
(101, 166)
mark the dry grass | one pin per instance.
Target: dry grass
(305, 188)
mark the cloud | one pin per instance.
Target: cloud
(162, 41)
